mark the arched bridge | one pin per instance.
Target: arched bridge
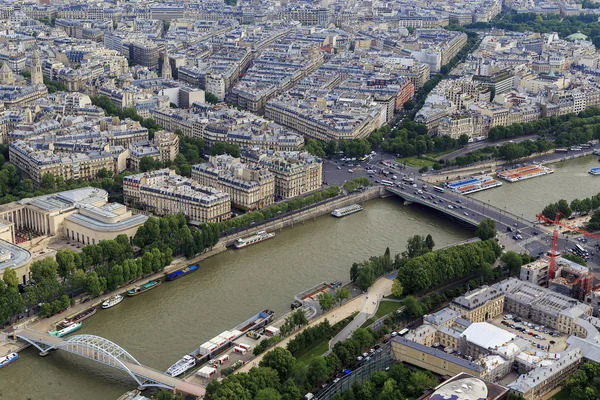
(108, 353)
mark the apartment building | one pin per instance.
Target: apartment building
(250, 187)
(163, 192)
(295, 172)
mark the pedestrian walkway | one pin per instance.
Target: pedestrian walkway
(360, 304)
(374, 295)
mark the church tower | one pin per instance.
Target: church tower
(36, 69)
(166, 68)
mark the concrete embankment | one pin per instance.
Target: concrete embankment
(308, 214)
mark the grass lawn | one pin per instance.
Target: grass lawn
(368, 322)
(386, 307)
(562, 395)
(317, 349)
(321, 347)
(417, 162)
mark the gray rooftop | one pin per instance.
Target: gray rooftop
(440, 354)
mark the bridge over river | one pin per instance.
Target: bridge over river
(108, 353)
(471, 211)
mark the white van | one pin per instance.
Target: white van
(309, 396)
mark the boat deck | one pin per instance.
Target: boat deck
(473, 185)
(529, 171)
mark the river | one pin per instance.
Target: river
(570, 180)
(160, 326)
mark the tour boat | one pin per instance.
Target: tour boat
(181, 366)
(62, 330)
(257, 237)
(112, 301)
(143, 288)
(342, 212)
(594, 171)
(181, 272)
(7, 359)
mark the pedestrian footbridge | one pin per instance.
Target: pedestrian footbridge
(108, 353)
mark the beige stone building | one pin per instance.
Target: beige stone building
(431, 359)
(295, 172)
(163, 192)
(83, 215)
(250, 187)
(479, 305)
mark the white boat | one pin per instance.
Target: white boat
(112, 301)
(181, 366)
(257, 237)
(594, 171)
(62, 330)
(342, 212)
(7, 359)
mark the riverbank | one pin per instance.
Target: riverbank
(492, 166)
(8, 345)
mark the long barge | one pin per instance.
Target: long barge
(527, 172)
(224, 340)
(180, 273)
(83, 315)
(473, 185)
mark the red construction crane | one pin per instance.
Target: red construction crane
(556, 222)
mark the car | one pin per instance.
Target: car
(365, 354)
(359, 358)
(336, 380)
(441, 200)
(515, 224)
(534, 233)
(367, 358)
(394, 334)
(350, 171)
(530, 333)
(370, 176)
(435, 202)
(466, 213)
(372, 351)
(323, 386)
(458, 201)
(86, 300)
(376, 181)
(462, 207)
(450, 207)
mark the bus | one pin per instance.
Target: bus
(386, 183)
(403, 332)
(438, 189)
(580, 248)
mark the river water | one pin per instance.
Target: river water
(527, 198)
(160, 326)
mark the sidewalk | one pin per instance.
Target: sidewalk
(359, 304)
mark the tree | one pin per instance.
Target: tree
(211, 98)
(564, 208)
(341, 294)
(463, 140)
(147, 163)
(397, 288)
(513, 261)
(429, 242)
(281, 360)
(412, 307)
(594, 223)
(550, 211)
(93, 286)
(326, 301)
(10, 278)
(363, 337)
(486, 229)
(165, 395)
(416, 246)
(66, 263)
(317, 371)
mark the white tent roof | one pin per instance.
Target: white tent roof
(487, 335)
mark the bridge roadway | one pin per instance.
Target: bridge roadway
(472, 211)
(106, 352)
